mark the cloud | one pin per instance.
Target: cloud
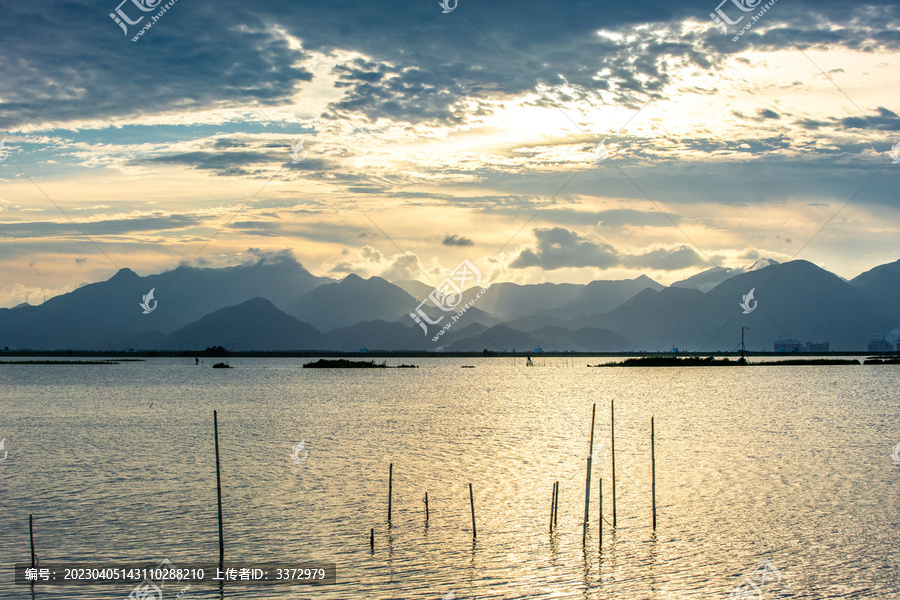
(455, 240)
(558, 248)
(369, 262)
(665, 259)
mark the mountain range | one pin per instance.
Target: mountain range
(277, 305)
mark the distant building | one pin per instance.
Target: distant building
(788, 346)
(881, 345)
(818, 347)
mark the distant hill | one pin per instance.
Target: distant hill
(794, 300)
(281, 306)
(355, 300)
(710, 278)
(252, 325)
(99, 315)
(882, 283)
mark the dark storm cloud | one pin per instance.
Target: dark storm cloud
(203, 55)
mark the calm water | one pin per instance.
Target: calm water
(789, 464)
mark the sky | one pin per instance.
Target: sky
(542, 141)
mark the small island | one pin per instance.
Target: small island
(221, 365)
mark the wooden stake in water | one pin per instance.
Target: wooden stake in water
(587, 479)
(600, 520)
(653, 469)
(472, 504)
(552, 506)
(219, 491)
(556, 512)
(426, 507)
(31, 535)
(372, 538)
(390, 488)
(612, 427)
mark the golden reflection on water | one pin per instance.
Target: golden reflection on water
(782, 463)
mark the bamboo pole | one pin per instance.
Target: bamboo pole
(31, 536)
(556, 512)
(587, 479)
(372, 538)
(600, 520)
(552, 505)
(472, 504)
(653, 468)
(426, 507)
(612, 426)
(219, 490)
(390, 489)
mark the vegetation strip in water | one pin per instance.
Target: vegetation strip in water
(709, 361)
(59, 362)
(343, 363)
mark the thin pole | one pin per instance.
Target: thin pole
(600, 520)
(31, 535)
(587, 479)
(612, 426)
(653, 468)
(219, 491)
(472, 504)
(426, 506)
(552, 506)
(390, 488)
(556, 513)
(372, 538)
